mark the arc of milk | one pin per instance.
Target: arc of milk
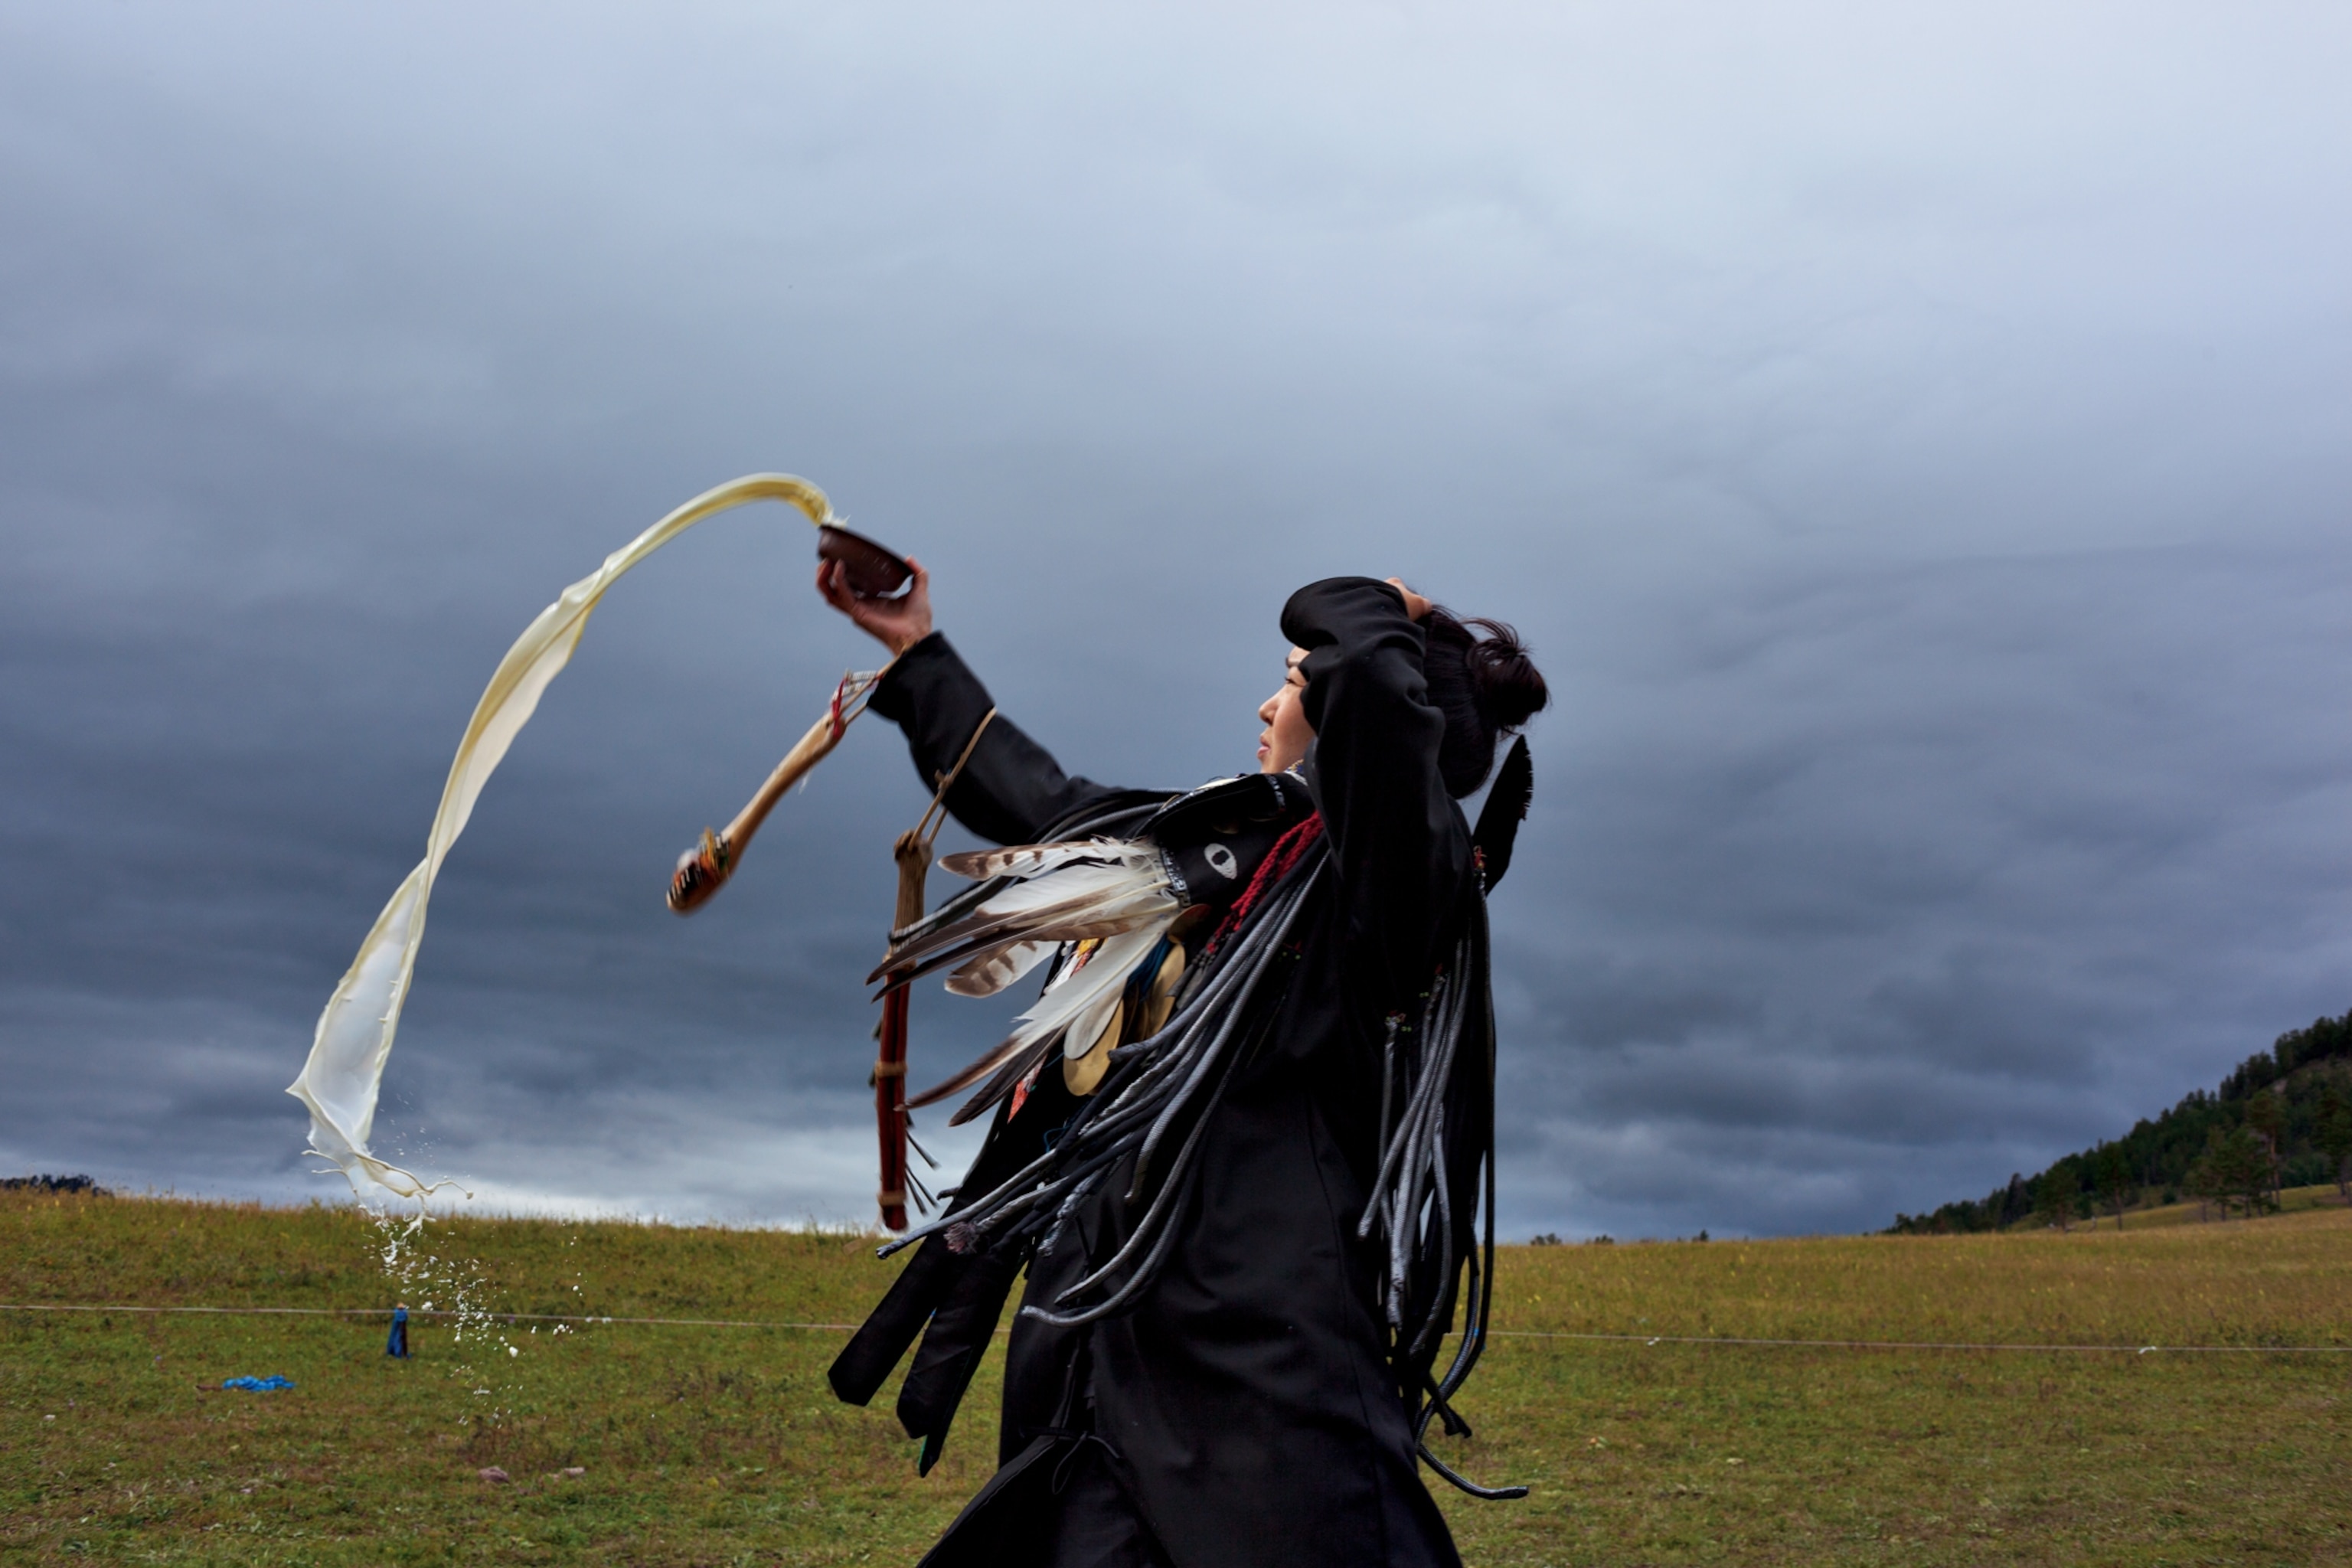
(339, 1081)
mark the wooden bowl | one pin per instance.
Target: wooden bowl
(874, 572)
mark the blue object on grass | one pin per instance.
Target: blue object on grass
(258, 1384)
(397, 1346)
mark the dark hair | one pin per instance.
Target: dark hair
(1480, 677)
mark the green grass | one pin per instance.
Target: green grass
(723, 1446)
(2151, 1213)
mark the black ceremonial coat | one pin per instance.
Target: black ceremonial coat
(1245, 1408)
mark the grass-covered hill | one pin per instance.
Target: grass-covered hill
(2284, 1119)
(708, 1436)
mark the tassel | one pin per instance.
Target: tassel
(1506, 808)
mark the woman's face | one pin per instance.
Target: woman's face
(1283, 745)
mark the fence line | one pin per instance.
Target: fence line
(1921, 1344)
(1716, 1340)
(427, 1313)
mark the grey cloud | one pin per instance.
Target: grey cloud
(1914, 453)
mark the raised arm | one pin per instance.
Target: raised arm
(1011, 790)
(1397, 838)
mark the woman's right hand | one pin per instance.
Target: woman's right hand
(1415, 606)
(896, 623)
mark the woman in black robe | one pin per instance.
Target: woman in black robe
(1254, 1390)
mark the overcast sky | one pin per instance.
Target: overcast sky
(1914, 439)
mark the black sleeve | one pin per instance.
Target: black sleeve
(1012, 789)
(1398, 840)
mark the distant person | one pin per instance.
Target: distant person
(1246, 1377)
(396, 1346)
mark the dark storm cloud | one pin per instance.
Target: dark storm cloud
(1912, 443)
(1940, 869)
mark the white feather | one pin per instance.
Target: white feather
(999, 967)
(988, 967)
(1091, 990)
(1026, 860)
(1075, 902)
(1113, 890)
(1065, 885)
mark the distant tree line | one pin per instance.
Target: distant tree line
(53, 1184)
(2284, 1119)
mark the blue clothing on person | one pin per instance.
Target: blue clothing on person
(397, 1346)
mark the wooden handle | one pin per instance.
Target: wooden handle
(704, 870)
(913, 853)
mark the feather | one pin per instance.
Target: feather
(1033, 860)
(1077, 900)
(1026, 860)
(980, 1067)
(1092, 986)
(1093, 823)
(1029, 1050)
(1075, 1006)
(1108, 914)
(1506, 808)
(999, 967)
(1034, 899)
(1018, 1065)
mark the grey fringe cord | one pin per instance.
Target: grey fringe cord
(1437, 1090)
(1412, 1201)
(1409, 1198)
(1156, 1088)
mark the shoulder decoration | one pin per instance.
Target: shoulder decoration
(1111, 912)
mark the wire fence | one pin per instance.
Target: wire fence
(425, 1312)
(1729, 1340)
(1715, 1340)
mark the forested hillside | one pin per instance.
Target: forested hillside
(2283, 1119)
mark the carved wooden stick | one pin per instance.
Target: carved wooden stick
(702, 870)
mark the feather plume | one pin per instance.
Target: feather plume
(999, 1059)
(1062, 892)
(1034, 859)
(1072, 1010)
(1014, 1065)
(1109, 912)
(1033, 898)
(999, 967)
(1089, 989)
(1026, 860)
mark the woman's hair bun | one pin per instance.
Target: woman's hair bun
(1479, 675)
(1510, 688)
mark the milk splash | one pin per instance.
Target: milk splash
(455, 1289)
(342, 1077)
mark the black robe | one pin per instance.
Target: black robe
(1245, 1411)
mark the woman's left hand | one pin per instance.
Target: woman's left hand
(1415, 607)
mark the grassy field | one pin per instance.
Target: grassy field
(2143, 1216)
(708, 1444)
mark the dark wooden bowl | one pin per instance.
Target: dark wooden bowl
(874, 572)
